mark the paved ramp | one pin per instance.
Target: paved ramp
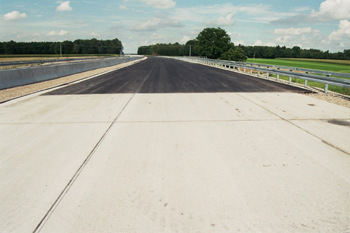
(159, 75)
(174, 162)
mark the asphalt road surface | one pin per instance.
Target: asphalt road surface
(162, 75)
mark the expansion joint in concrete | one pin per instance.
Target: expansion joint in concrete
(82, 166)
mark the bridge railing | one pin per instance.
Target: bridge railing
(320, 76)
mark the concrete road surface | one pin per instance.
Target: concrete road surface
(138, 151)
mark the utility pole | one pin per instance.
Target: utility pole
(190, 49)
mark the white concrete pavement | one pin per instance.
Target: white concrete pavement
(218, 162)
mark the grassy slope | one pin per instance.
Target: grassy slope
(317, 64)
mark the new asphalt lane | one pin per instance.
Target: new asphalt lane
(163, 75)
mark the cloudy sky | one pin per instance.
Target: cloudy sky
(319, 24)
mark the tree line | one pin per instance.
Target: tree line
(295, 52)
(92, 46)
(211, 42)
(215, 43)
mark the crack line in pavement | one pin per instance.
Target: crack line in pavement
(290, 122)
(80, 169)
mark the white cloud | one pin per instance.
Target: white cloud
(258, 43)
(292, 31)
(234, 34)
(61, 33)
(302, 9)
(94, 34)
(283, 39)
(154, 24)
(343, 33)
(14, 15)
(223, 13)
(64, 6)
(52, 33)
(156, 36)
(161, 4)
(122, 7)
(202, 13)
(239, 42)
(185, 39)
(338, 40)
(329, 10)
(223, 20)
(271, 44)
(332, 10)
(149, 25)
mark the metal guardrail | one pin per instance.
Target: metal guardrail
(322, 72)
(10, 64)
(291, 72)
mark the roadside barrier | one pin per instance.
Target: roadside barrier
(25, 76)
(299, 73)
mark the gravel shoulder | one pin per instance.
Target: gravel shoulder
(15, 92)
(331, 97)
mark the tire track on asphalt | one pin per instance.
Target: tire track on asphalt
(82, 166)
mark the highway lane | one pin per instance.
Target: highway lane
(162, 75)
(126, 159)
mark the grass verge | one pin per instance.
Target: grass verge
(317, 64)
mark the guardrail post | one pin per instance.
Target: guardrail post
(244, 70)
(305, 84)
(267, 75)
(259, 73)
(326, 88)
(278, 77)
(290, 80)
(251, 71)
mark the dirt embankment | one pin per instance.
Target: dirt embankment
(15, 92)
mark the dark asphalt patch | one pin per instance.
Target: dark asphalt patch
(162, 75)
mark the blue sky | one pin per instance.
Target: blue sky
(323, 24)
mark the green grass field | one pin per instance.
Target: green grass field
(317, 64)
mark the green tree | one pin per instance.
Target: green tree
(296, 51)
(236, 54)
(194, 47)
(347, 54)
(213, 42)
